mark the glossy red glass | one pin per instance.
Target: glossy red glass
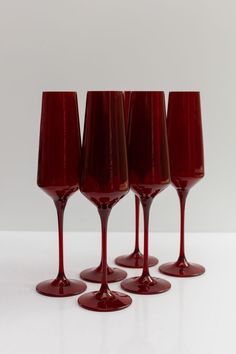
(135, 259)
(95, 274)
(104, 180)
(148, 171)
(186, 165)
(58, 172)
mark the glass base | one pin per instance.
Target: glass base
(61, 288)
(145, 285)
(135, 260)
(104, 302)
(176, 269)
(94, 275)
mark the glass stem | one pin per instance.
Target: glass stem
(60, 206)
(182, 198)
(104, 214)
(137, 204)
(146, 204)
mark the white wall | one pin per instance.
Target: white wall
(124, 44)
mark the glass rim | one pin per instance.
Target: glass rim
(104, 91)
(57, 92)
(184, 92)
(146, 91)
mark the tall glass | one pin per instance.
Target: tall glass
(186, 165)
(58, 172)
(148, 172)
(134, 259)
(104, 180)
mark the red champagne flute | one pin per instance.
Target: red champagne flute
(58, 172)
(135, 259)
(104, 180)
(95, 274)
(186, 164)
(148, 171)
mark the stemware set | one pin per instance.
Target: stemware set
(127, 143)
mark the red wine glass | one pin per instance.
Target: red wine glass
(186, 165)
(135, 259)
(104, 180)
(95, 274)
(58, 172)
(148, 171)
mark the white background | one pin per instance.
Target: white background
(124, 44)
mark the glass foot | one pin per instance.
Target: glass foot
(94, 275)
(104, 302)
(61, 288)
(145, 285)
(183, 270)
(135, 260)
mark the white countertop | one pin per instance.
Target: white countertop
(197, 316)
